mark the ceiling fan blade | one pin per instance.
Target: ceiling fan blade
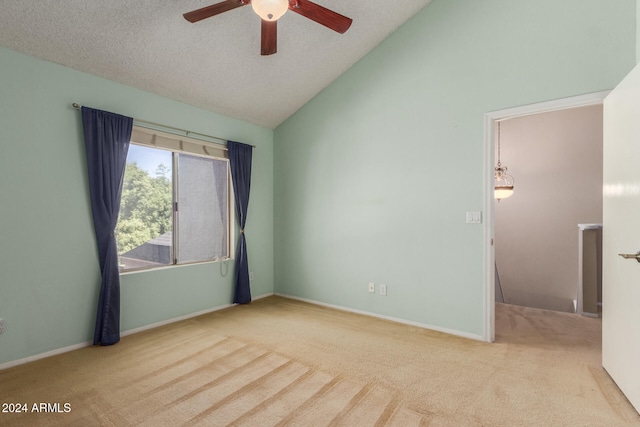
(321, 15)
(269, 43)
(214, 9)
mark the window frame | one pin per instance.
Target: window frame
(175, 144)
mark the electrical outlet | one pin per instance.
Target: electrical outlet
(251, 276)
(383, 290)
(1, 326)
(372, 288)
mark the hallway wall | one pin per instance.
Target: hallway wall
(556, 161)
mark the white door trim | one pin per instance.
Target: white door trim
(488, 204)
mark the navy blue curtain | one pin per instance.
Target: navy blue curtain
(106, 138)
(240, 161)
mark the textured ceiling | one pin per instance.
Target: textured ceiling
(214, 64)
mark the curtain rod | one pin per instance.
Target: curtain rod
(185, 131)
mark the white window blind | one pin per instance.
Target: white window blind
(177, 143)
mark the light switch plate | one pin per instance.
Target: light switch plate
(474, 217)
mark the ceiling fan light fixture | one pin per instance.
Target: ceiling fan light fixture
(270, 10)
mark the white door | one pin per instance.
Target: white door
(621, 235)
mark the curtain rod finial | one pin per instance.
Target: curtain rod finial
(76, 106)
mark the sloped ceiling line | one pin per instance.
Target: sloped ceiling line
(214, 64)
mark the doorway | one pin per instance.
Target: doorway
(491, 119)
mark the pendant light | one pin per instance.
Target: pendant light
(270, 10)
(502, 181)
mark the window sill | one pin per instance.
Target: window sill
(165, 267)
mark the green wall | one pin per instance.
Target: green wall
(49, 273)
(375, 174)
(638, 31)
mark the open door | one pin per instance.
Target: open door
(621, 235)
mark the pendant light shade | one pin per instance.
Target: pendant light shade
(502, 181)
(503, 184)
(270, 10)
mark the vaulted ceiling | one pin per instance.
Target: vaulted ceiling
(214, 64)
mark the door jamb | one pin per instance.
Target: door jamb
(488, 231)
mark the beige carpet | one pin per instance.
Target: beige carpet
(284, 362)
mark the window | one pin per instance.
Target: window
(175, 202)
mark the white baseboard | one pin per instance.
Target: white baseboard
(185, 317)
(173, 320)
(392, 319)
(122, 334)
(44, 355)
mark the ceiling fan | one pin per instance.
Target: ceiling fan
(270, 11)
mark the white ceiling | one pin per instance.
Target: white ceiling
(214, 64)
